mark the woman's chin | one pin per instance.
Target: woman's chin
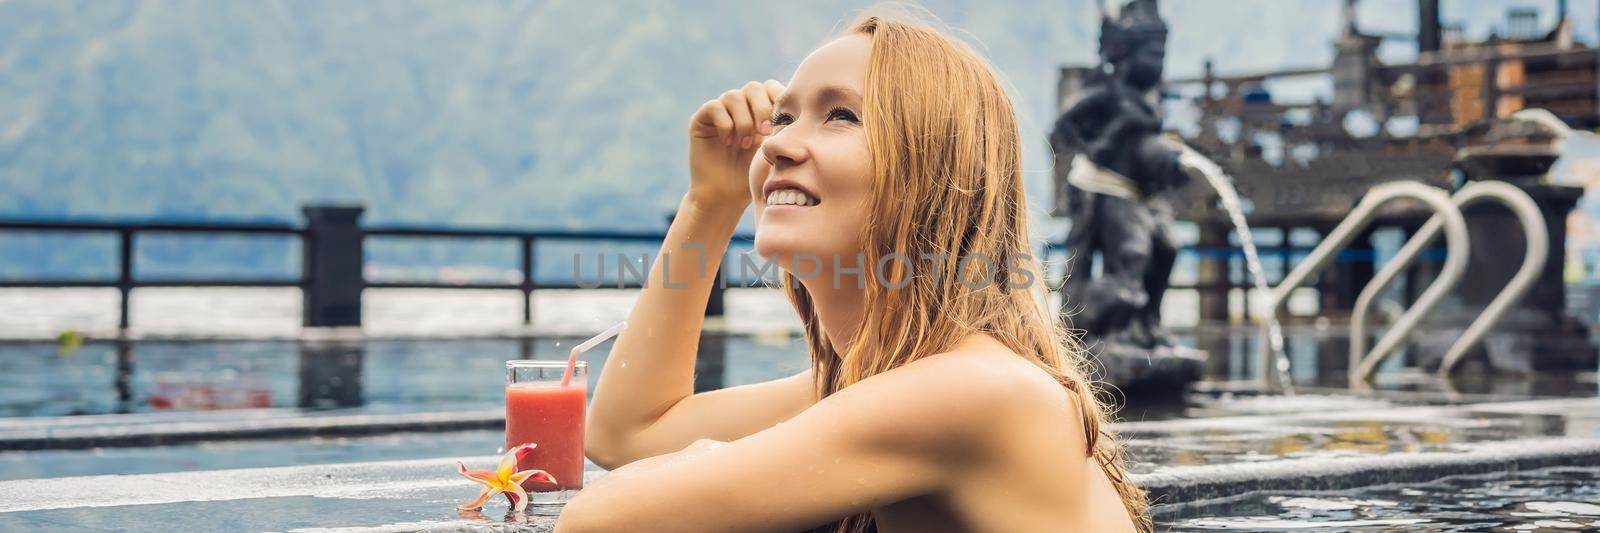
(783, 258)
(774, 243)
(783, 250)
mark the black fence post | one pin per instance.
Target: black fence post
(332, 278)
(719, 289)
(124, 276)
(527, 285)
(710, 363)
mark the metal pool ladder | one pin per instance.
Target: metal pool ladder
(1447, 216)
(1455, 228)
(1534, 257)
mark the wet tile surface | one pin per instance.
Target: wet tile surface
(346, 477)
(1551, 499)
(1337, 426)
(414, 487)
(34, 464)
(418, 494)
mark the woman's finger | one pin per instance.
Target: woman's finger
(774, 89)
(760, 107)
(712, 120)
(739, 109)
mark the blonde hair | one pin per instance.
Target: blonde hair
(947, 184)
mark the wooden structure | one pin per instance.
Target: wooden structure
(1304, 164)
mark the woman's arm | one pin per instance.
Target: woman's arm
(911, 431)
(644, 403)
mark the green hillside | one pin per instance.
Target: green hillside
(550, 114)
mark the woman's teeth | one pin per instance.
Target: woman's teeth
(790, 197)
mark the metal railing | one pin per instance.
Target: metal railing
(128, 234)
(1455, 263)
(1534, 257)
(528, 241)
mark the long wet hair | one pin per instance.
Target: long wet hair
(947, 184)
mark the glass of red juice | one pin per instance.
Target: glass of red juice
(542, 411)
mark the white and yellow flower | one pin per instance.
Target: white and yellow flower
(505, 480)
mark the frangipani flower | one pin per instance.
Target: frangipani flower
(504, 480)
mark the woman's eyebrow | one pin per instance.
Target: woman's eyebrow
(826, 93)
(838, 92)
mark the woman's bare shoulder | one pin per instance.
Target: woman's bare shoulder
(1022, 405)
(978, 387)
(992, 366)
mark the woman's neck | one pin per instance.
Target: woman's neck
(839, 308)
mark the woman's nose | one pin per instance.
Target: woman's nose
(784, 149)
(759, 167)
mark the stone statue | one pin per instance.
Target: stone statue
(1120, 165)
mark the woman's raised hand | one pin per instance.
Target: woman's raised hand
(723, 136)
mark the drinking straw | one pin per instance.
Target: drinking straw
(572, 360)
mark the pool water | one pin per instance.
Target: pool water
(1332, 426)
(41, 379)
(35, 464)
(100, 377)
(110, 388)
(1550, 499)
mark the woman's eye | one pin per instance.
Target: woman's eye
(843, 114)
(782, 119)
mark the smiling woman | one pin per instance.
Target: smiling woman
(938, 398)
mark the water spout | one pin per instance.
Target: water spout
(1199, 165)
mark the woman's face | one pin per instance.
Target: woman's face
(812, 179)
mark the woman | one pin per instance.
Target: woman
(941, 395)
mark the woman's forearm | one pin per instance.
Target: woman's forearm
(651, 366)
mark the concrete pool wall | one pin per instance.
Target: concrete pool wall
(419, 494)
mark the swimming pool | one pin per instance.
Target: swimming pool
(1548, 499)
(153, 413)
(41, 379)
(45, 379)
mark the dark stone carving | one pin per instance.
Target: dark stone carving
(1113, 197)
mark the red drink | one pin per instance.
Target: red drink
(542, 411)
(550, 416)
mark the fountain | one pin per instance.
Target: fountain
(1119, 167)
(1228, 196)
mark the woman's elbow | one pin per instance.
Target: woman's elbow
(580, 517)
(603, 460)
(605, 450)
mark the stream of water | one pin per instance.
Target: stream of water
(1221, 183)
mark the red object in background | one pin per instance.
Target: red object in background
(551, 417)
(207, 397)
